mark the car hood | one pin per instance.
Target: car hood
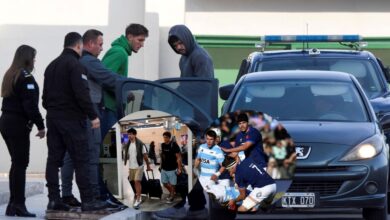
(345, 133)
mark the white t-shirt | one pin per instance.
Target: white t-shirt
(133, 164)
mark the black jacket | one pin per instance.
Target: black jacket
(65, 89)
(24, 100)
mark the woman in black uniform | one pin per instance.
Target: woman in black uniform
(20, 110)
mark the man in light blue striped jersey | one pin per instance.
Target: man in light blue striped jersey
(209, 158)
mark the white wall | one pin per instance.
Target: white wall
(260, 17)
(43, 25)
(170, 13)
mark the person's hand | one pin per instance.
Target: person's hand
(179, 171)
(232, 205)
(148, 168)
(41, 133)
(214, 178)
(95, 123)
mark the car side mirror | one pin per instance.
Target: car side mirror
(225, 91)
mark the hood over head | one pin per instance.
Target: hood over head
(182, 33)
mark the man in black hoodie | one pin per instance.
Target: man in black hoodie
(68, 104)
(195, 61)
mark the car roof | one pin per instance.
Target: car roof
(323, 53)
(298, 74)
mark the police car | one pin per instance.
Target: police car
(323, 178)
(368, 69)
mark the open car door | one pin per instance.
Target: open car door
(194, 100)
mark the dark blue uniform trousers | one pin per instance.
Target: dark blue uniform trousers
(67, 136)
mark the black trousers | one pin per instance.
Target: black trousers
(16, 135)
(196, 198)
(70, 136)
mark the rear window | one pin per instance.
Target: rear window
(363, 70)
(303, 100)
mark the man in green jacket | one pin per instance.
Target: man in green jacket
(116, 60)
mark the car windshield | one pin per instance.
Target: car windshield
(303, 100)
(363, 70)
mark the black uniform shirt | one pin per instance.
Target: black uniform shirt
(24, 99)
(65, 89)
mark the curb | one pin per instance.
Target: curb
(32, 188)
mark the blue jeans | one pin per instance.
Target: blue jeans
(67, 170)
(108, 119)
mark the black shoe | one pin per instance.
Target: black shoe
(18, 210)
(10, 211)
(93, 205)
(114, 200)
(71, 201)
(57, 205)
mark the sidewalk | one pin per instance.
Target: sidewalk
(36, 200)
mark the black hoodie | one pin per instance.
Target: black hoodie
(196, 62)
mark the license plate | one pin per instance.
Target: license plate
(298, 200)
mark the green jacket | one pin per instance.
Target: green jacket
(116, 60)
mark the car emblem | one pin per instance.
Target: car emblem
(302, 152)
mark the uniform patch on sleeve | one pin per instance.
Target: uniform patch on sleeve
(83, 76)
(30, 86)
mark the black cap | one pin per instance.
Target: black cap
(242, 117)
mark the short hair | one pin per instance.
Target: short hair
(91, 35)
(72, 39)
(137, 30)
(168, 134)
(132, 131)
(242, 117)
(211, 133)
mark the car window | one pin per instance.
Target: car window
(363, 70)
(137, 95)
(203, 92)
(303, 100)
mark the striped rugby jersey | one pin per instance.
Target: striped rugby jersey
(210, 159)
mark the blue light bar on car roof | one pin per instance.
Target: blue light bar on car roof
(312, 38)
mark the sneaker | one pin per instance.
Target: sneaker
(171, 213)
(198, 214)
(58, 205)
(93, 205)
(71, 201)
(170, 199)
(137, 203)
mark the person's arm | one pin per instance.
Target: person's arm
(29, 94)
(242, 147)
(78, 80)
(179, 164)
(98, 73)
(197, 163)
(146, 159)
(240, 197)
(220, 157)
(115, 60)
(215, 176)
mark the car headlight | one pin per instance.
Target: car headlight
(369, 148)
